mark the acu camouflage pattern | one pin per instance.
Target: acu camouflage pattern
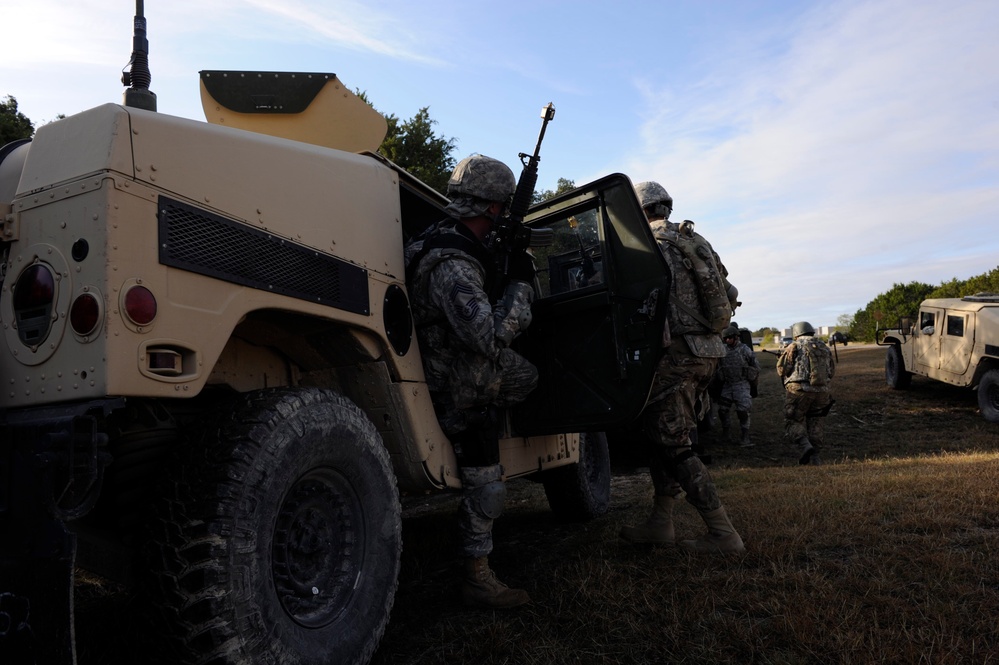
(807, 362)
(476, 182)
(456, 331)
(736, 370)
(699, 308)
(804, 403)
(679, 392)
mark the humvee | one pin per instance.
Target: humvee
(955, 340)
(212, 387)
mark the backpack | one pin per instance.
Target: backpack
(819, 360)
(713, 287)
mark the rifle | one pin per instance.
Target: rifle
(512, 309)
(510, 234)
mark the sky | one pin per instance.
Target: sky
(827, 150)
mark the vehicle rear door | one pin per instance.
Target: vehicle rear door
(596, 336)
(957, 341)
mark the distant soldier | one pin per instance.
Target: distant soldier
(806, 367)
(470, 370)
(700, 306)
(737, 372)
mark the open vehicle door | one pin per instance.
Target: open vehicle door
(596, 336)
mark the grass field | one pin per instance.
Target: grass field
(885, 554)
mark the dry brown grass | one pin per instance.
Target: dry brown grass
(886, 554)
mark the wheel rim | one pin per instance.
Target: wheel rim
(318, 548)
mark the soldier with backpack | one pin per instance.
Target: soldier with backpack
(806, 367)
(701, 302)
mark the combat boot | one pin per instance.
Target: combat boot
(809, 453)
(658, 528)
(481, 589)
(721, 537)
(745, 441)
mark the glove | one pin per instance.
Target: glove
(521, 267)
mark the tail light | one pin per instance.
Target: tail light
(140, 305)
(33, 296)
(85, 314)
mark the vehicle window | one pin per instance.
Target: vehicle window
(955, 325)
(573, 260)
(926, 319)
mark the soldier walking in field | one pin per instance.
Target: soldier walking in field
(737, 371)
(806, 367)
(701, 302)
(470, 371)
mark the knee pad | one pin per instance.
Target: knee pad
(484, 491)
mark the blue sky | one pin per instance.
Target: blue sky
(828, 150)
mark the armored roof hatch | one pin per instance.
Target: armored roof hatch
(311, 107)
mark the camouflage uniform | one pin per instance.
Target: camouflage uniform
(736, 370)
(677, 400)
(804, 404)
(700, 305)
(467, 371)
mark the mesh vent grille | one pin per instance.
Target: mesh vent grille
(205, 243)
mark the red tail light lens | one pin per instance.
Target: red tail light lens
(33, 296)
(140, 305)
(85, 314)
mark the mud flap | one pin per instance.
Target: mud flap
(36, 599)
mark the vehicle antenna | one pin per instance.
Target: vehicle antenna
(138, 95)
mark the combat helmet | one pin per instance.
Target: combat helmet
(482, 178)
(654, 198)
(731, 331)
(802, 328)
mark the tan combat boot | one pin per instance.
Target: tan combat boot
(481, 589)
(721, 537)
(658, 528)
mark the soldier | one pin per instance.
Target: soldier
(470, 371)
(806, 368)
(700, 306)
(737, 371)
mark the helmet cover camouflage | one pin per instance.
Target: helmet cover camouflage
(802, 328)
(731, 331)
(478, 181)
(653, 195)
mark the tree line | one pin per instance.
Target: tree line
(903, 300)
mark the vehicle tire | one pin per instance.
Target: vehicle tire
(988, 396)
(280, 536)
(581, 491)
(895, 373)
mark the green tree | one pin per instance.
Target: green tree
(413, 145)
(955, 288)
(14, 125)
(887, 308)
(563, 185)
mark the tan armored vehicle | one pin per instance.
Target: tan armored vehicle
(211, 383)
(955, 340)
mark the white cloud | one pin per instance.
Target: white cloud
(864, 154)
